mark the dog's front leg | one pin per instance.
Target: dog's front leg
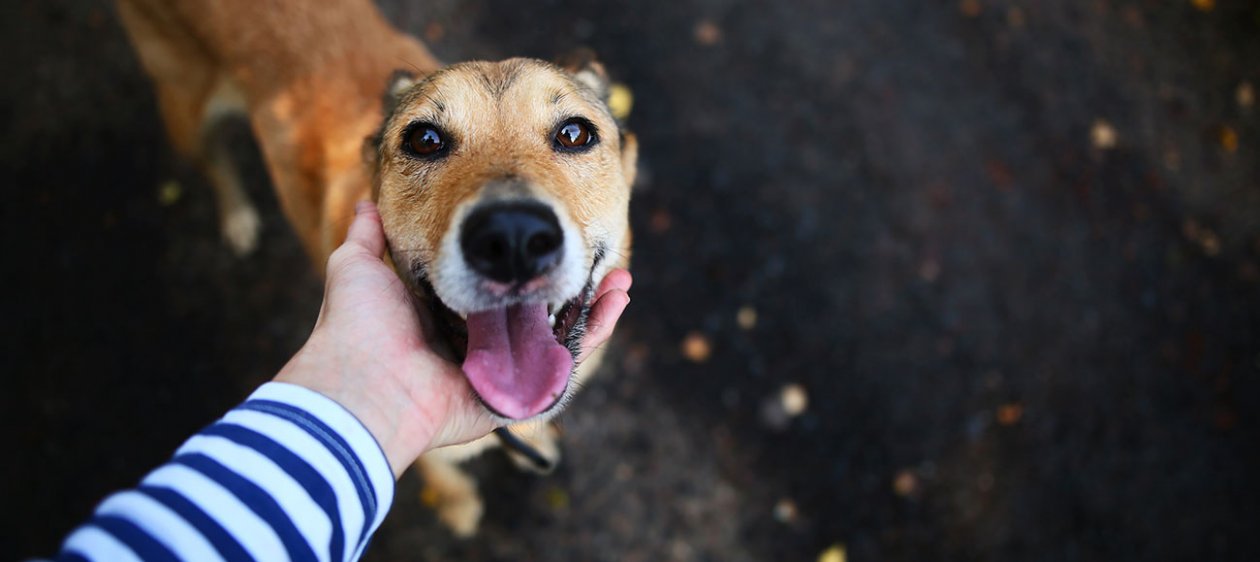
(451, 492)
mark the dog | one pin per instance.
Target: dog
(503, 187)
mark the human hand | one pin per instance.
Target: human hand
(369, 351)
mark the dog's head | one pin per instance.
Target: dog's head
(504, 189)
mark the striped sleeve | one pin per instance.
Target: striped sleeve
(287, 475)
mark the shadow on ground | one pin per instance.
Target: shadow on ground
(1009, 250)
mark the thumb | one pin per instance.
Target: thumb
(366, 231)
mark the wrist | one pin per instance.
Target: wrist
(382, 402)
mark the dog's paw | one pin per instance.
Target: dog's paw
(460, 512)
(240, 226)
(546, 443)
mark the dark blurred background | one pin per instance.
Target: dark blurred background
(971, 280)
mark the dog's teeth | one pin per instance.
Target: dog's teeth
(552, 319)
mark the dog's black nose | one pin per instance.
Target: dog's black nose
(512, 242)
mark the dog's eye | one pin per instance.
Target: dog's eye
(424, 140)
(575, 134)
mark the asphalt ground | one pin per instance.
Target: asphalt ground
(1009, 252)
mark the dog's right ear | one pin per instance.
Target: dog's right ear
(399, 82)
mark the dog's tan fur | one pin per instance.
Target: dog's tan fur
(504, 133)
(311, 79)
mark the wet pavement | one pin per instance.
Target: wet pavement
(1008, 252)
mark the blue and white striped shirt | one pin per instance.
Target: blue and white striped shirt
(287, 475)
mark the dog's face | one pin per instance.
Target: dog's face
(504, 189)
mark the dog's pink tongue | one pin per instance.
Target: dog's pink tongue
(514, 361)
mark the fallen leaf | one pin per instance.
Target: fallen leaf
(793, 399)
(696, 347)
(785, 511)
(1172, 159)
(834, 554)
(1228, 138)
(660, 221)
(905, 483)
(1015, 17)
(1190, 229)
(1133, 17)
(1010, 414)
(557, 498)
(1103, 135)
(708, 33)
(1210, 242)
(1245, 95)
(1205, 237)
(1000, 174)
(169, 193)
(970, 8)
(636, 358)
(929, 270)
(620, 101)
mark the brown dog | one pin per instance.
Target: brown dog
(504, 187)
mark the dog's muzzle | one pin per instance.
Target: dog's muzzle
(512, 243)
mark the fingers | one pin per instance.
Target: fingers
(366, 231)
(604, 315)
(365, 243)
(617, 279)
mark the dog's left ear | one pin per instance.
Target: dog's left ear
(587, 70)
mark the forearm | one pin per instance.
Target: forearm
(287, 474)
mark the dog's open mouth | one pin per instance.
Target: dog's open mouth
(518, 358)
